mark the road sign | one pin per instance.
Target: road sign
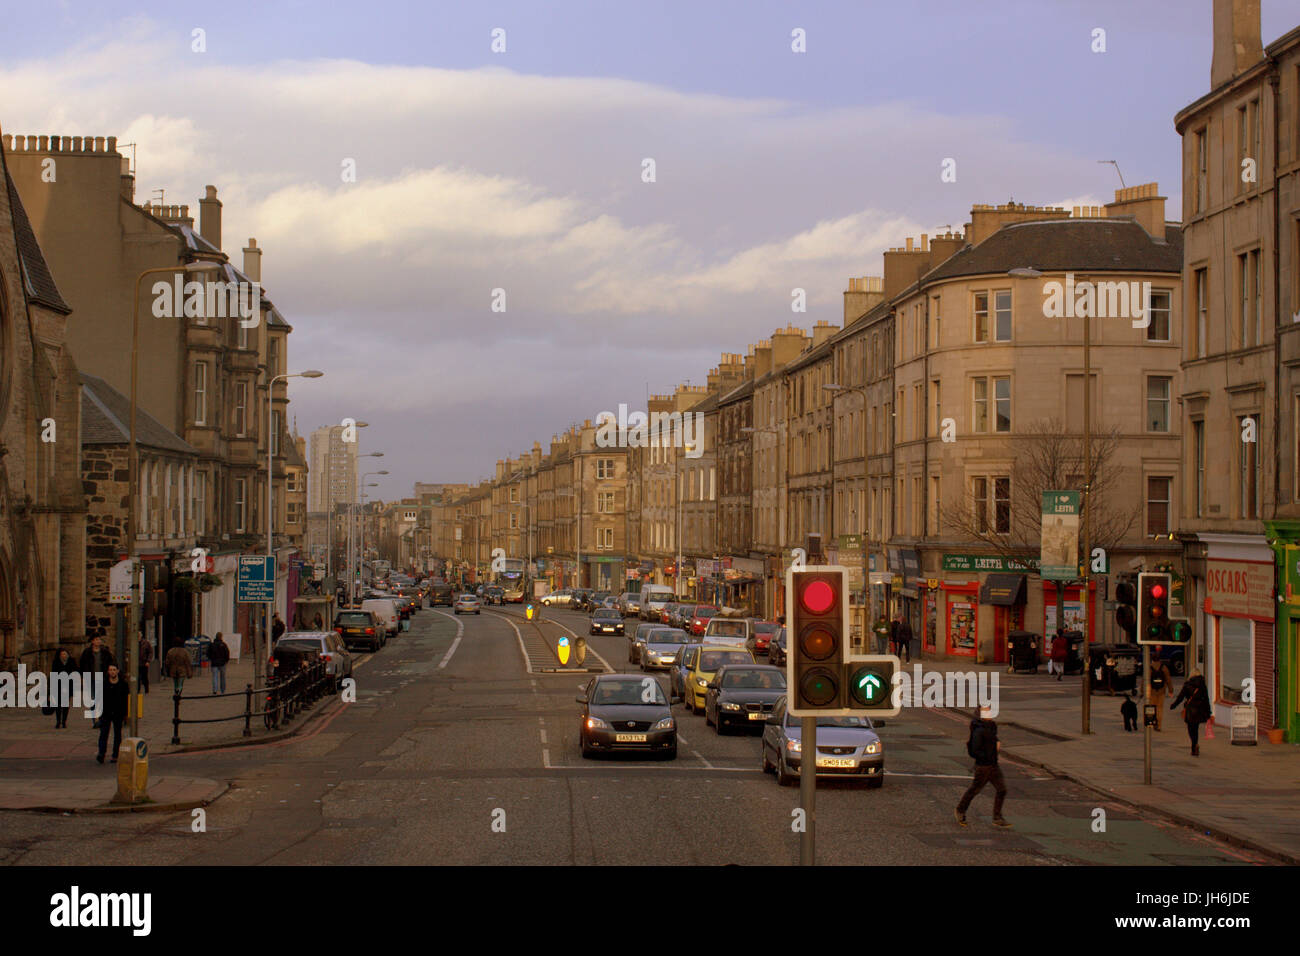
(256, 583)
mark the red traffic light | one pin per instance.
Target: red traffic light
(1157, 591)
(818, 597)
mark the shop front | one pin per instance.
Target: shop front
(1238, 627)
(1075, 610)
(1005, 595)
(961, 618)
(1284, 537)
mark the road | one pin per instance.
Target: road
(454, 753)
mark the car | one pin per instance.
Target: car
(560, 598)
(636, 641)
(668, 614)
(760, 636)
(611, 603)
(385, 609)
(695, 681)
(441, 593)
(332, 648)
(629, 604)
(626, 712)
(660, 647)
(605, 621)
(733, 631)
(599, 598)
(494, 595)
(846, 746)
(776, 649)
(697, 617)
(468, 604)
(358, 627)
(742, 695)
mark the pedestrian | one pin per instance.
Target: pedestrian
(60, 688)
(1158, 686)
(114, 712)
(1060, 648)
(905, 639)
(1197, 709)
(218, 658)
(277, 628)
(983, 746)
(1129, 711)
(145, 657)
(95, 659)
(319, 623)
(894, 626)
(178, 667)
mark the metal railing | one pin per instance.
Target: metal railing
(277, 703)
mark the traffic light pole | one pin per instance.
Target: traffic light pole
(808, 790)
(1146, 699)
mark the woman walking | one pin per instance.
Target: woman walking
(1197, 709)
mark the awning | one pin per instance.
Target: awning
(1004, 590)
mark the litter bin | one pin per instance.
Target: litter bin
(1022, 649)
(1074, 652)
(1116, 668)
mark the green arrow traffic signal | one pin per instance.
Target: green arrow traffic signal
(869, 687)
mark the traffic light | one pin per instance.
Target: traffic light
(1126, 607)
(1153, 608)
(1180, 631)
(869, 679)
(818, 632)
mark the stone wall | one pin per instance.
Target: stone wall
(105, 480)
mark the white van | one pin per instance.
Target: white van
(653, 599)
(385, 610)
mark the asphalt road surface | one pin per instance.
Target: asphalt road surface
(462, 748)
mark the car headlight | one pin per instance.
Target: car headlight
(595, 723)
(793, 745)
(874, 748)
(728, 705)
(701, 683)
(666, 724)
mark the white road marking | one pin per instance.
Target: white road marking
(460, 632)
(528, 664)
(936, 776)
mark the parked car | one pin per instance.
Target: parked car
(468, 604)
(742, 695)
(332, 648)
(359, 627)
(616, 716)
(606, 621)
(846, 746)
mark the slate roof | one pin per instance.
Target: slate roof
(1074, 245)
(37, 279)
(106, 420)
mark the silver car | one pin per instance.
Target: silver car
(468, 604)
(846, 746)
(333, 651)
(661, 647)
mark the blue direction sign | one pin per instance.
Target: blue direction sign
(256, 579)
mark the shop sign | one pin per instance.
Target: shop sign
(972, 563)
(1239, 589)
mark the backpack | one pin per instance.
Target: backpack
(970, 745)
(1158, 680)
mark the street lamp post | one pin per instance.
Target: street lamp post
(364, 486)
(270, 492)
(869, 593)
(133, 478)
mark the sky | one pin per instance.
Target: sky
(398, 171)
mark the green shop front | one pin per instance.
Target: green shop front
(1284, 538)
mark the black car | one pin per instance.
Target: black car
(442, 593)
(606, 621)
(494, 595)
(358, 628)
(626, 712)
(743, 695)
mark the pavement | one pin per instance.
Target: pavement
(76, 783)
(1239, 793)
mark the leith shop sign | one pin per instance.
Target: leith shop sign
(973, 563)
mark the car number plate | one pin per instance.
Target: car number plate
(836, 762)
(757, 716)
(629, 738)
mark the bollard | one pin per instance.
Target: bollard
(132, 771)
(176, 718)
(248, 710)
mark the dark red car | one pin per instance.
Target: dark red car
(763, 633)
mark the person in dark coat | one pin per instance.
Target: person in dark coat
(1197, 709)
(59, 695)
(905, 639)
(218, 658)
(983, 746)
(115, 698)
(177, 666)
(277, 628)
(144, 657)
(96, 658)
(1160, 683)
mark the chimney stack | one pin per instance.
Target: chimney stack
(210, 217)
(253, 261)
(863, 294)
(1237, 45)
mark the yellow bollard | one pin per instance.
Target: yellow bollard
(132, 771)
